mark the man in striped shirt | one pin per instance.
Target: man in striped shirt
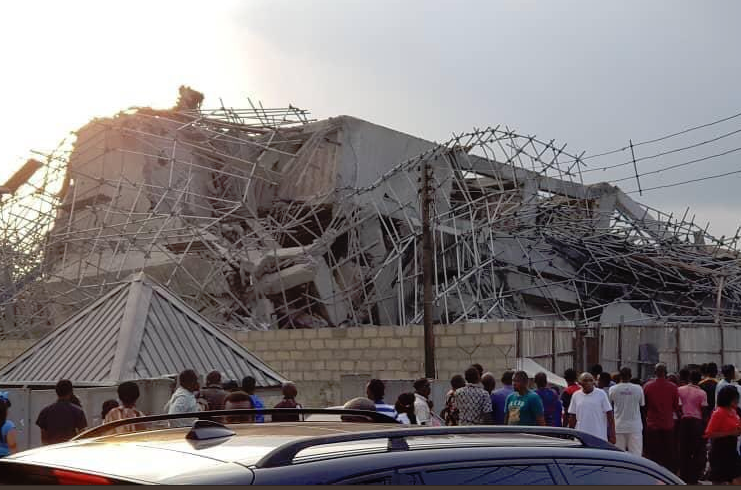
(375, 389)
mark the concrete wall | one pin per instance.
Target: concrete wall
(27, 404)
(315, 359)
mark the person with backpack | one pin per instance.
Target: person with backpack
(8, 432)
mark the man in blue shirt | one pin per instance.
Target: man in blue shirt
(248, 386)
(499, 397)
(375, 389)
(552, 407)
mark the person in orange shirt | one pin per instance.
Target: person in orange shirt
(723, 431)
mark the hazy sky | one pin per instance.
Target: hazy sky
(590, 74)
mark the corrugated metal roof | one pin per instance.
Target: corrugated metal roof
(138, 330)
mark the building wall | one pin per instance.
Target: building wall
(315, 359)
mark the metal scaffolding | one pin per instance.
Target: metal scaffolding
(263, 218)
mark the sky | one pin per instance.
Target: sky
(594, 75)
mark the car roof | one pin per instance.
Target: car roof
(251, 441)
(110, 453)
(180, 450)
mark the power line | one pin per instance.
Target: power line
(663, 153)
(678, 165)
(661, 138)
(699, 179)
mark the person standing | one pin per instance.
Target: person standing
(62, 420)
(597, 372)
(8, 432)
(290, 392)
(375, 390)
(729, 375)
(128, 393)
(708, 385)
(723, 431)
(183, 399)
(422, 404)
(571, 387)
(662, 405)
(237, 400)
(450, 412)
(552, 407)
(107, 406)
(248, 386)
(473, 402)
(590, 410)
(404, 409)
(627, 399)
(214, 393)
(489, 382)
(605, 382)
(523, 406)
(693, 400)
(499, 397)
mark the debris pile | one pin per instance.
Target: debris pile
(263, 218)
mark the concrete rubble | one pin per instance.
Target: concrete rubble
(263, 218)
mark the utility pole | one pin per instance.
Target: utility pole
(427, 270)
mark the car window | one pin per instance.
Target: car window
(537, 474)
(370, 481)
(385, 478)
(597, 474)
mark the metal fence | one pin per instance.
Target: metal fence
(640, 347)
(552, 345)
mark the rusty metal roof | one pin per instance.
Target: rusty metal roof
(138, 330)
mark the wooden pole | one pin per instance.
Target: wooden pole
(553, 346)
(620, 344)
(719, 320)
(427, 273)
(719, 299)
(678, 334)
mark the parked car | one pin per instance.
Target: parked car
(370, 449)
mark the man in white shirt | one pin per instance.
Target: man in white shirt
(729, 374)
(590, 410)
(627, 400)
(422, 391)
(183, 400)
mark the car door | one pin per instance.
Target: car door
(489, 472)
(608, 472)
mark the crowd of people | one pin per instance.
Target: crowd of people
(688, 422)
(65, 418)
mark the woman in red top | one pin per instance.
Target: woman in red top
(723, 431)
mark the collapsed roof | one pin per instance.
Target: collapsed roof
(262, 218)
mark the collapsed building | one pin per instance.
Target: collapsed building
(264, 218)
